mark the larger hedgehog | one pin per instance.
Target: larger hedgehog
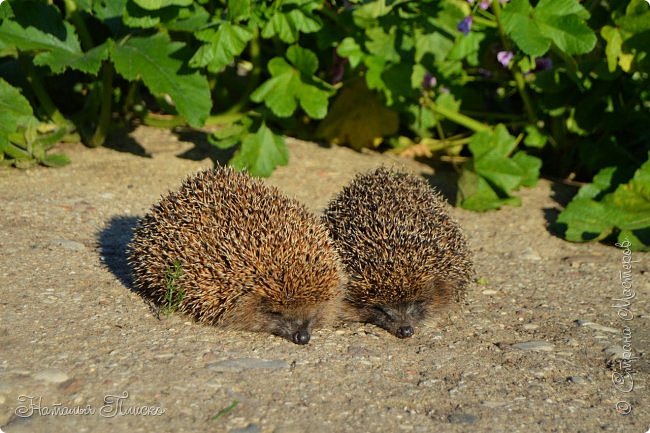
(243, 255)
(404, 255)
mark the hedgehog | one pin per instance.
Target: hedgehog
(405, 257)
(240, 254)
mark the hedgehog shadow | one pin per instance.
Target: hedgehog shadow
(202, 148)
(446, 182)
(113, 243)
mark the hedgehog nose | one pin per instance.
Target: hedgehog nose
(301, 336)
(405, 331)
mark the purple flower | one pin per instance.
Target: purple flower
(543, 64)
(429, 81)
(505, 57)
(485, 4)
(465, 25)
(471, 1)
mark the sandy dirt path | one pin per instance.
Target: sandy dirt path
(533, 348)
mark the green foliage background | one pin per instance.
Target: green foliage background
(504, 89)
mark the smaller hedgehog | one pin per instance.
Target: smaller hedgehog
(403, 253)
(241, 254)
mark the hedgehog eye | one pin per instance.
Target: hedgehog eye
(385, 311)
(274, 314)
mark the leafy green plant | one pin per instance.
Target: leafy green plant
(611, 207)
(174, 292)
(505, 90)
(225, 410)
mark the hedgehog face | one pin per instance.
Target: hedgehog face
(291, 323)
(398, 319)
(286, 326)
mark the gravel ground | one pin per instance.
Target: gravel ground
(536, 346)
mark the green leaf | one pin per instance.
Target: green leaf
(492, 144)
(475, 193)
(161, 65)
(602, 181)
(529, 166)
(303, 59)
(614, 44)
(586, 220)
(519, 24)
(222, 47)
(239, 10)
(293, 18)
(292, 85)
(639, 240)
(489, 181)
(136, 16)
(351, 50)
(467, 47)
(382, 44)
(189, 19)
(367, 14)
(434, 43)
(559, 21)
(88, 62)
(627, 209)
(561, 7)
(38, 28)
(14, 109)
(571, 34)
(58, 160)
(534, 137)
(159, 4)
(232, 134)
(261, 153)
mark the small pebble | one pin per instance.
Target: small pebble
(67, 244)
(71, 386)
(241, 364)
(51, 375)
(530, 326)
(461, 418)
(250, 428)
(164, 356)
(577, 379)
(530, 254)
(537, 346)
(490, 292)
(596, 326)
(615, 351)
(493, 404)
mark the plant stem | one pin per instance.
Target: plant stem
(47, 105)
(73, 15)
(458, 118)
(484, 21)
(496, 116)
(166, 121)
(516, 72)
(105, 111)
(254, 79)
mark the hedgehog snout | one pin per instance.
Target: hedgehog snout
(398, 319)
(301, 336)
(295, 330)
(405, 331)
